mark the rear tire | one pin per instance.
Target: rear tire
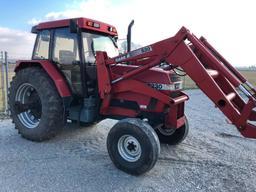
(133, 146)
(172, 137)
(43, 115)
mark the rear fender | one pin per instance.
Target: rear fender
(49, 68)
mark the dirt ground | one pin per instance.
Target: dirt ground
(214, 157)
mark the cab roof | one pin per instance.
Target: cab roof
(82, 23)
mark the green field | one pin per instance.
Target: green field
(187, 82)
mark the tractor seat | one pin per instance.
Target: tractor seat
(66, 57)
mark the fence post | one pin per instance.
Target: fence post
(2, 78)
(6, 81)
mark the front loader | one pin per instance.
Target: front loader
(76, 74)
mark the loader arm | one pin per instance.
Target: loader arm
(217, 78)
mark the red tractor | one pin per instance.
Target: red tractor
(76, 73)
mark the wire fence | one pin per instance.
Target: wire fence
(2, 85)
(6, 74)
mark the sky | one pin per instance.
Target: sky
(230, 26)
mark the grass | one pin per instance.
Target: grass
(10, 75)
(250, 76)
(1, 100)
(188, 83)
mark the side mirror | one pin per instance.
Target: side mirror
(73, 28)
(34, 29)
(129, 34)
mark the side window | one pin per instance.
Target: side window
(93, 43)
(42, 46)
(65, 49)
(88, 48)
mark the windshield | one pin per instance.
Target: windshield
(94, 42)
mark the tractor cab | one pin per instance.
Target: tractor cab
(71, 46)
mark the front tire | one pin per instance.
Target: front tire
(133, 146)
(35, 105)
(172, 136)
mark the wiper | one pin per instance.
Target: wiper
(92, 48)
(113, 40)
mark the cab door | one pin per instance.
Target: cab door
(65, 54)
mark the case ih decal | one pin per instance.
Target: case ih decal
(134, 53)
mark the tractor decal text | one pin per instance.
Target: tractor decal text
(134, 53)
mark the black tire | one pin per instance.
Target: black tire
(174, 137)
(50, 110)
(137, 131)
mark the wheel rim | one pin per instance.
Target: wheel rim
(129, 148)
(27, 95)
(165, 131)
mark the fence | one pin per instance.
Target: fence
(6, 73)
(3, 80)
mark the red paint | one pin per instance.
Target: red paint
(198, 59)
(155, 75)
(82, 23)
(55, 75)
(126, 77)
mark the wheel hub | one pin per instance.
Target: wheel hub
(28, 105)
(129, 148)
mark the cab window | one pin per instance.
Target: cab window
(65, 49)
(94, 42)
(42, 45)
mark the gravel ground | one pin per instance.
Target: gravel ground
(214, 157)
